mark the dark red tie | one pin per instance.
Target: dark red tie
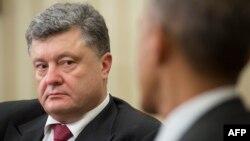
(61, 132)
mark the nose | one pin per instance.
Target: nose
(53, 76)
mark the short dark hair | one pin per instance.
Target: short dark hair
(214, 35)
(61, 17)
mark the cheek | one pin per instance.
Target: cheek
(145, 66)
(81, 82)
(145, 54)
(84, 90)
(147, 71)
(147, 78)
(41, 87)
(149, 93)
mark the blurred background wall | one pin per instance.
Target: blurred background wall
(16, 73)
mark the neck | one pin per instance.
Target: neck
(179, 83)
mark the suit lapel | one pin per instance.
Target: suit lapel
(32, 130)
(100, 128)
(12, 133)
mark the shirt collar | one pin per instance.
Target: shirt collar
(178, 121)
(78, 126)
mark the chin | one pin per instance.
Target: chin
(58, 111)
(56, 107)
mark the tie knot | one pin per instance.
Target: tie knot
(61, 132)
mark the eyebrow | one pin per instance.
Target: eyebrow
(61, 55)
(37, 60)
(67, 54)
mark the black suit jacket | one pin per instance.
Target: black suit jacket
(210, 126)
(25, 121)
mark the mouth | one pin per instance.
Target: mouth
(55, 95)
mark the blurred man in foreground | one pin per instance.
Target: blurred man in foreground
(191, 55)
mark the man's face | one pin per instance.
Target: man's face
(69, 75)
(147, 67)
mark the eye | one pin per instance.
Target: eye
(41, 66)
(67, 62)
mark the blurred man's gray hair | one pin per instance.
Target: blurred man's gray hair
(213, 34)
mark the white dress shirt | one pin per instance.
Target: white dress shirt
(181, 119)
(77, 126)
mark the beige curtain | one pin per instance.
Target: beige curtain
(16, 74)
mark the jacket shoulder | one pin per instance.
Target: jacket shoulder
(210, 126)
(134, 124)
(23, 108)
(19, 112)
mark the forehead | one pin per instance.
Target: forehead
(70, 41)
(69, 36)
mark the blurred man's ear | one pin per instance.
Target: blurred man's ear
(106, 61)
(163, 44)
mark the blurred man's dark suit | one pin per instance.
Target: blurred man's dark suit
(210, 126)
(25, 121)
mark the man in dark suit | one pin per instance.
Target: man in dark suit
(118, 121)
(191, 54)
(70, 51)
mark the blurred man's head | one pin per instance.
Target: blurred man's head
(69, 48)
(207, 40)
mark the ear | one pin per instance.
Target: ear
(163, 44)
(106, 63)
